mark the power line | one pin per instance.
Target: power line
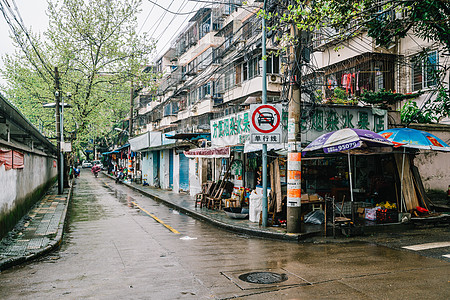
(173, 18)
(169, 40)
(145, 21)
(19, 39)
(169, 11)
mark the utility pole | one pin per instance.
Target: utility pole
(293, 224)
(130, 127)
(59, 134)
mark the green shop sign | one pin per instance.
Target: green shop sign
(230, 130)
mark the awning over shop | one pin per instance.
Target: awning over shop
(140, 142)
(146, 140)
(123, 147)
(223, 152)
(110, 152)
(116, 150)
(248, 147)
(189, 136)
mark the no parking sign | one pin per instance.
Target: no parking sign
(265, 123)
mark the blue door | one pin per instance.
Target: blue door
(171, 168)
(184, 172)
(156, 168)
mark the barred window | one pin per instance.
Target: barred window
(424, 71)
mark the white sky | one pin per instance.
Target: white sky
(33, 13)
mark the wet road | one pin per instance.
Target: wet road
(121, 245)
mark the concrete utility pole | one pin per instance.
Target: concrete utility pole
(130, 127)
(59, 134)
(294, 142)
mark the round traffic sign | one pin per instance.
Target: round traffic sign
(266, 118)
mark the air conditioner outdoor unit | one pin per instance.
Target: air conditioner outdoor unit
(274, 78)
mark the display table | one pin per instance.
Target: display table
(314, 204)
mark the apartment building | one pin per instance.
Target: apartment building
(357, 64)
(212, 72)
(212, 67)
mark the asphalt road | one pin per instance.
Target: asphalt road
(122, 245)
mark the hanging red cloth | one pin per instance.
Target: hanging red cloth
(18, 160)
(11, 159)
(6, 159)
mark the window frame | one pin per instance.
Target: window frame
(421, 67)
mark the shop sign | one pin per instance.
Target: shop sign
(208, 152)
(265, 125)
(330, 119)
(231, 130)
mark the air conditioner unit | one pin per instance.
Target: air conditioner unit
(274, 78)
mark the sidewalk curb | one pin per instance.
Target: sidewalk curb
(229, 227)
(54, 243)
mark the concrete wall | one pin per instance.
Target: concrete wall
(195, 186)
(21, 188)
(434, 166)
(176, 172)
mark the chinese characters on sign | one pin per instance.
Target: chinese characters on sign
(236, 128)
(331, 119)
(231, 130)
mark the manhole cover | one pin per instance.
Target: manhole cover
(263, 277)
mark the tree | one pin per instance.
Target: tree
(99, 55)
(385, 20)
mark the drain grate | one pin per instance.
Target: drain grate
(263, 277)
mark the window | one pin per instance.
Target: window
(424, 71)
(251, 27)
(205, 26)
(273, 64)
(244, 71)
(253, 67)
(204, 90)
(193, 96)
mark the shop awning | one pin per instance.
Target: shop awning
(248, 147)
(189, 136)
(223, 152)
(140, 142)
(110, 152)
(123, 147)
(144, 141)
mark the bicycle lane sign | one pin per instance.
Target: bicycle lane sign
(265, 123)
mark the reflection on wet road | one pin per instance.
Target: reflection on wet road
(117, 247)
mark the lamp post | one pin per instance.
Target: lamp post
(264, 101)
(59, 111)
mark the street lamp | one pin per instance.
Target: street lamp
(59, 108)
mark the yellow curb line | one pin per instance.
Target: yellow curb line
(156, 219)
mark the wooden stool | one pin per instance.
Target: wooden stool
(316, 206)
(231, 202)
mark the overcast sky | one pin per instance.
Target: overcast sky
(34, 16)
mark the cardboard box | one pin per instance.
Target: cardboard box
(314, 197)
(305, 197)
(361, 212)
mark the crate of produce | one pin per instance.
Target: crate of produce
(387, 215)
